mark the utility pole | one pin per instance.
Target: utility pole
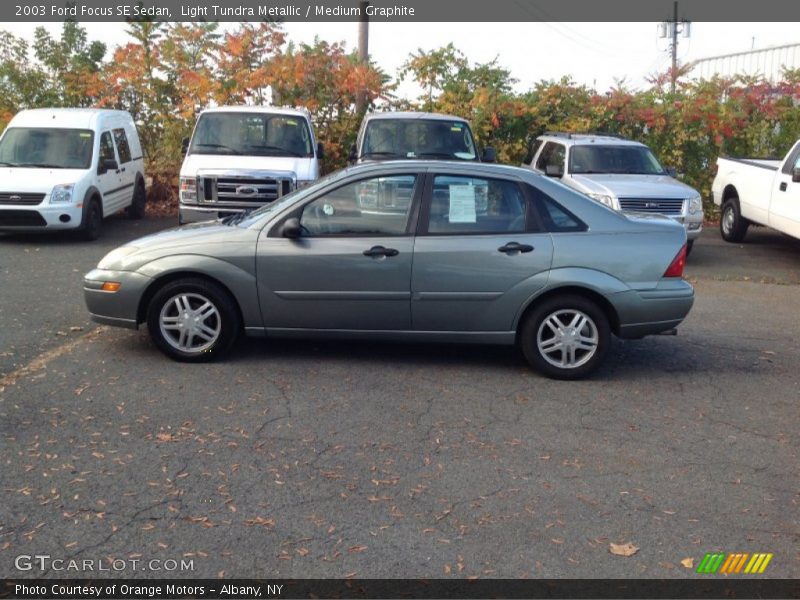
(363, 53)
(673, 28)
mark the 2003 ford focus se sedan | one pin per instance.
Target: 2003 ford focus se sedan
(407, 250)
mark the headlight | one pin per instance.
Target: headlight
(113, 261)
(187, 189)
(695, 205)
(62, 193)
(603, 199)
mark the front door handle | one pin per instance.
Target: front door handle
(782, 187)
(515, 247)
(380, 251)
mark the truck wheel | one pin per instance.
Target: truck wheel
(193, 320)
(137, 208)
(732, 225)
(92, 221)
(565, 337)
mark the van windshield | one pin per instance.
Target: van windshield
(627, 160)
(42, 148)
(418, 138)
(252, 134)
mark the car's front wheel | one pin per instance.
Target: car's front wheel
(193, 320)
(565, 337)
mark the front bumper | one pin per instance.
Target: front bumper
(648, 312)
(42, 217)
(692, 223)
(120, 308)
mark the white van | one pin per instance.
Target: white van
(242, 157)
(68, 168)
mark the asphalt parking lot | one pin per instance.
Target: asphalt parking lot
(305, 459)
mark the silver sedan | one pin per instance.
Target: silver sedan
(407, 251)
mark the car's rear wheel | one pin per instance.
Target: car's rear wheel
(565, 337)
(732, 225)
(193, 320)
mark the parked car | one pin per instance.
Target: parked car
(500, 255)
(416, 135)
(243, 157)
(620, 173)
(69, 168)
(764, 192)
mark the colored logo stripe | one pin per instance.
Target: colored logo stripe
(721, 562)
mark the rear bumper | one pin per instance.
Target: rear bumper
(41, 217)
(648, 312)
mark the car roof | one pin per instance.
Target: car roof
(587, 139)
(75, 118)
(280, 110)
(413, 115)
(468, 167)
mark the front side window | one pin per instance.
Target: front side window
(377, 206)
(475, 205)
(553, 155)
(106, 147)
(418, 138)
(252, 134)
(46, 148)
(628, 160)
(122, 145)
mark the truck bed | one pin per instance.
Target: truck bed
(763, 163)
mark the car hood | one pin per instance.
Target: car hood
(197, 238)
(304, 168)
(634, 186)
(39, 181)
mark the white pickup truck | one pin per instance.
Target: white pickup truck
(764, 192)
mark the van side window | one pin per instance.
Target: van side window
(553, 154)
(122, 145)
(106, 147)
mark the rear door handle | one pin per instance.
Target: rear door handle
(782, 186)
(380, 251)
(515, 247)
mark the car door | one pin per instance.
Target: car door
(108, 181)
(480, 253)
(127, 175)
(351, 267)
(785, 205)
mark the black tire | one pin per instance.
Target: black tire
(732, 225)
(92, 221)
(198, 292)
(585, 361)
(689, 246)
(137, 208)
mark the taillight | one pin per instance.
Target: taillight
(675, 269)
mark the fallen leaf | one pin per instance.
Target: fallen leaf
(688, 562)
(356, 548)
(627, 549)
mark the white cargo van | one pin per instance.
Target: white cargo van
(242, 157)
(68, 168)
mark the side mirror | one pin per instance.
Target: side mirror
(672, 171)
(291, 228)
(353, 153)
(107, 165)
(320, 151)
(185, 145)
(796, 175)
(554, 170)
(489, 155)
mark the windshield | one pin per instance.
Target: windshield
(629, 160)
(418, 138)
(252, 134)
(46, 148)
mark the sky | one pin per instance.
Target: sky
(595, 54)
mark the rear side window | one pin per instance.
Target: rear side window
(474, 205)
(555, 217)
(553, 155)
(122, 145)
(106, 147)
